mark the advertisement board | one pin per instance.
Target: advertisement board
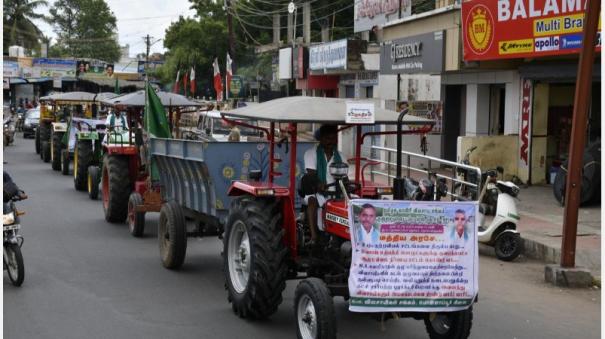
(55, 68)
(10, 69)
(331, 55)
(413, 256)
(285, 63)
(360, 113)
(417, 54)
(506, 29)
(370, 13)
(236, 87)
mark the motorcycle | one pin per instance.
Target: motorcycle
(13, 259)
(20, 121)
(9, 131)
(461, 190)
(498, 217)
(424, 190)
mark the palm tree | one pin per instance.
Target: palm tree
(19, 27)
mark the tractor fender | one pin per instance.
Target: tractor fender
(257, 189)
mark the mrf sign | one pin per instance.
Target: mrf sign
(504, 29)
(525, 126)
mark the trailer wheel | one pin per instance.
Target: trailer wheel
(254, 257)
(449, 325)
(46, 151)
(116, 188)
(172, 235)
(56, 151)
(65, 162)
(314, 310)
(37, 140)
(93, 182)
(82, 159)
(136, 220)
(508, 246)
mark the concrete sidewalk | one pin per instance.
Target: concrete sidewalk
(541, 228)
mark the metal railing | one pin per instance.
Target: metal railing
(456, 182)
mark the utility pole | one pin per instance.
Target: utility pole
(578, 134)
(230, 28)
(148, 44)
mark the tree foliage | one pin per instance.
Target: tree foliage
(85, 29)
(19, 28)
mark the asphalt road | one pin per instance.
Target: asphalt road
(86, 278)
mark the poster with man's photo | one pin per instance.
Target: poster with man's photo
(416, 256)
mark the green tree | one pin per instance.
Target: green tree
(85, 29)
(19, 28)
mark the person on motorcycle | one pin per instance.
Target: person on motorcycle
(317, 177)
(10, 189)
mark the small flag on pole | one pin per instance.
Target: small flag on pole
(192, 81)
(176, 82)
(229, 74)
(218, 84)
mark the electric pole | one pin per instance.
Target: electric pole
(148, 44)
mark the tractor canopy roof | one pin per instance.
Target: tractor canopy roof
(138, 99)
(302, 109)
(77, 97)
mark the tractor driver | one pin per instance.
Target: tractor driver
(313, 183)
(115, 122)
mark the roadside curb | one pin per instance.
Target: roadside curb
(549, 255)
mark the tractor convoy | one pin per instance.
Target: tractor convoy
(249, 194)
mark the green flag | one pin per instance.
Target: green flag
(156, 123)
(117, 87)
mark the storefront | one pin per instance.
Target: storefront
(543, 49)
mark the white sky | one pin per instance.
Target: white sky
(137, 18)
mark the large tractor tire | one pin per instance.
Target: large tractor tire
(136, 220)
(314, 310)
(116, 188)
(254, 257)
(37, 140)
(172, 235)
(46, 151)
(44, 137)
(94, 176)
(65, 162)
(82, 159)
(449, 325)
(587, 186)
(56, 148)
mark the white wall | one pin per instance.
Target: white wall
(477, 110)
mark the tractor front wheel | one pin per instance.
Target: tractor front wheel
(46, 151)
(449, 325)
(56, 151)
(65, 162)
(314, 310)
(94, 174)
(254, 257)
(136, 220)
(116, 188)
(37, 140)
(82, 159)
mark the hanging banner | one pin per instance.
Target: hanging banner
(54, 68)
(332, 55)
(525, 125)
(371, 13)
(411, 256)
(507, 29)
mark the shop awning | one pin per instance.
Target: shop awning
(556, 72)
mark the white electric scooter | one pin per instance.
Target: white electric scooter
(498, 217)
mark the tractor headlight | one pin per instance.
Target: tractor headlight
(8, 219)
(339, 170)
(384, 190)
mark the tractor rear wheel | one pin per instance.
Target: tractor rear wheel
(46, 151)
(116, 187)
(56, 151)
(172, 235)
(94, 174)
(449, 325)
(254, 257)
(44, 137)
(65, 162)
(82, 159)
(37, 140)
(136, 220)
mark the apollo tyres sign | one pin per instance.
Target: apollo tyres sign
(505, 29)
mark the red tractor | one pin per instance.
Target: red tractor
(265, 237)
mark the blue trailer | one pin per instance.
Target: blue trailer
(194, 178)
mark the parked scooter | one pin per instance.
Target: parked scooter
(424, 190)
(9, 131)
(498, 216)
(465, 191)
(13, 259)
